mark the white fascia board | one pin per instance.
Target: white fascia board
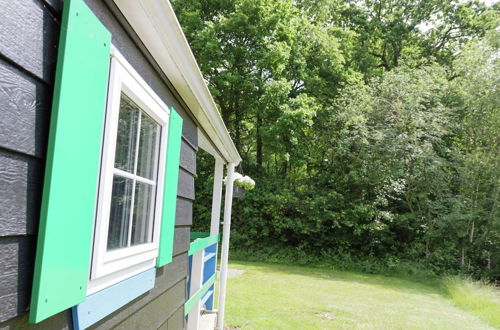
(155, 23)
(204, 144)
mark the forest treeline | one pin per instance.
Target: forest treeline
(372, 128)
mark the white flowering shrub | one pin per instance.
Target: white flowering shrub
(242, 181)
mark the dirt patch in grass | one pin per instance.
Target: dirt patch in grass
(325, 315)
(231, 272)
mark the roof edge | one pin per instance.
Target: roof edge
(157, 26)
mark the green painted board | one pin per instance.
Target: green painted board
(72, 163)
(202, 243)
(188, 306)
(198, 234)
(170, 189)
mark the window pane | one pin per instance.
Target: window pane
(142, 213)
(148, 147)
(121, 200)
(127, 134)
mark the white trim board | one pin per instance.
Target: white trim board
(110, 267)
(155, 23)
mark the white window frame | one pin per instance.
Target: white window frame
(110, 267)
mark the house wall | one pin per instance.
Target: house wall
(29, 33)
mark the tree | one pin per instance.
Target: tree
(478, 110)
(370, 126)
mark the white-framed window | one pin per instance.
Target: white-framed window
(127, 224)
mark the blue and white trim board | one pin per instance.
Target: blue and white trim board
(102, 303)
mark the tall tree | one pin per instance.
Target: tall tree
(370, 126)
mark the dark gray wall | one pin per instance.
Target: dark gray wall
(29, 32)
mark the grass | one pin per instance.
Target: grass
(268, 296)
(479, 298)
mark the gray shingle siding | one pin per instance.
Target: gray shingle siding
(29, 33)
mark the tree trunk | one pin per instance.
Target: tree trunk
(258, 141)
(472, 232)
(237, 126)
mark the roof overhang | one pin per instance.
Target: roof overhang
(157, 26)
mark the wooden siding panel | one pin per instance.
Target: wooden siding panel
(29, 35)
(25, 111)
(16, 275)
(29, 31)
(188, 157)
(20, 195)
(172, 273)
(176, 321)
(166, 277)
(190, 132)
(154, 314)
(184, 212)
(11, 305)
(61, 321)
(181, 240)
(164, 326)
(17, 256)
(186, 185)
(10, 286)
(55, 5)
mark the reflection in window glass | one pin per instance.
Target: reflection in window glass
(137, 149)
(121, 199)
(147, 147)
(142, 213)
(126, 138)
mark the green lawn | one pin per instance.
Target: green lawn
(287, 297)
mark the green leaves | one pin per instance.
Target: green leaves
(371, 127)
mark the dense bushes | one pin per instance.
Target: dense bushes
(393, 192)
(373, 140)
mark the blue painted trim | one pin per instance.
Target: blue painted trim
(188, 280)
(102, 303)
(209, 269)
(209, 303)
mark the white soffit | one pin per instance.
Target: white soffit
(205, 144)
(155, 23)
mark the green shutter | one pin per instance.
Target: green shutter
(170, 189)
(72, 166)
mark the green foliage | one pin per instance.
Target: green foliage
(481, 299)
(371, 129)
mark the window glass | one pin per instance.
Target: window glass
(147, 147)
(121, 199)
(133, 192)
(142, 213)
(126, 138)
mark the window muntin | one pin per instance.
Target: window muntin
(126, 231)
(134, 177)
